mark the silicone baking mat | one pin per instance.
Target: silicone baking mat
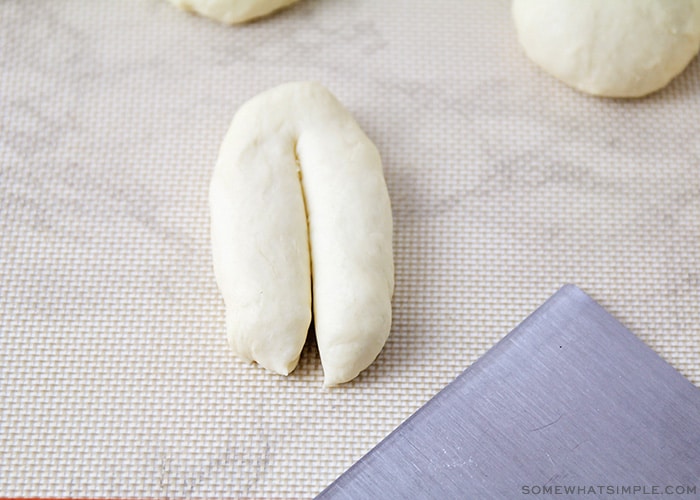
(115, 375)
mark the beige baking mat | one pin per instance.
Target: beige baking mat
(115, 375)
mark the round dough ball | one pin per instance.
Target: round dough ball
(612, 48)
(232, 11)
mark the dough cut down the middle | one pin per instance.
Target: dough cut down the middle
(298, 197)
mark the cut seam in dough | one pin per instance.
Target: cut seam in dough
(296, 169)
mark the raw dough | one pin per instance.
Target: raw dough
(232, 11)
(613, 48)
(295, 152)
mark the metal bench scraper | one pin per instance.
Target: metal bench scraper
(570, 403)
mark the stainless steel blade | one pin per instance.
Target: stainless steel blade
(570, 398)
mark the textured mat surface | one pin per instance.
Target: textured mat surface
(115, 375)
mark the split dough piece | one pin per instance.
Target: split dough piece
(232, 11)
(612, 48)
(292, 153)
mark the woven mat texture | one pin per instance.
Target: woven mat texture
(115, 376)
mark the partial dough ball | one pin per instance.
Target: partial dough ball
(611, 48)
(232, 11)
